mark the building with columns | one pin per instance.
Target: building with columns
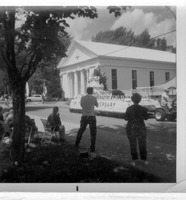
(126, 67)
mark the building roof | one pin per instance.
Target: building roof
(158, 89)
(169, 84)
(120, 51)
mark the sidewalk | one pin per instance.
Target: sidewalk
(48, 103)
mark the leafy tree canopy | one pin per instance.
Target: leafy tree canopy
(122, 36)
(102, 78)
(35, 43)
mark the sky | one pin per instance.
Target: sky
(158, 20)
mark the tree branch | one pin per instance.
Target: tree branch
(24, 61)
(28, 73)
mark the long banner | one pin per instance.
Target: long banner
(114, 105)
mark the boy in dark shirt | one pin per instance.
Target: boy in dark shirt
(54, 122)
(136, 129)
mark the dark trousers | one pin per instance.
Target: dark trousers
(85, 120)
(141, 141)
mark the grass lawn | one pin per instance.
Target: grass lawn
(62, 163)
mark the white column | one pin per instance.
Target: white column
(63, 80)
(82, 82)
(72, 84)
(75, 84)
(62, 84)
(79, 82)
(87, 76)
(68, 85)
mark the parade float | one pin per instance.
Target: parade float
(111, 105)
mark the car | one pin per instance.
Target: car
(36, 97)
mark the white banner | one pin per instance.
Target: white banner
(112, 105)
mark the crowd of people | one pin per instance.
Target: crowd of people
(7, 124)
(135, 116)
(136, 130)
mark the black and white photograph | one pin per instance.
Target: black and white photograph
(88, 95)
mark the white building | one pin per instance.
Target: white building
(126, 67)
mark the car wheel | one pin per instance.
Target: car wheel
(160, 115)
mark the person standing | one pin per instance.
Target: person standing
(54, 122)
(88, 117)
(136, 129)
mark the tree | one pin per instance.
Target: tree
(118, 36)
(102, 78)
(52, 79)
(32, 45)
(161, 44)
(144, 40)
(28, 47)
(50, 75)
(36, 82)
(54, 89)
(4, 83)
(5, 87)
(122, 36)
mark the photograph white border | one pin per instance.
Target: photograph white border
(180, 186)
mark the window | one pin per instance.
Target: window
(114, 79)
(167, 76)
(151, 78)
(134, 79)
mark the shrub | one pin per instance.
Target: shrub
(117, 93)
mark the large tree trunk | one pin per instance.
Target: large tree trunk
(17, 83)
(18, 142)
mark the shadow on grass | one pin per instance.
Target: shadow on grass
(62, 164)
(162, 132)
(159, 132)
(113, 143)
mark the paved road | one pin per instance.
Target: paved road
(113, 143)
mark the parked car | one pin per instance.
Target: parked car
(36, 97)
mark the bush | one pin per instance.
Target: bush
(117, 93)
